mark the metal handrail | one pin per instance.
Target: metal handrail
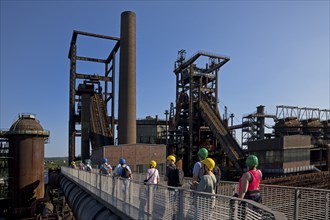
(139, 201)
(294, 202)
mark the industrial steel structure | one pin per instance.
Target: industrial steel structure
(93, 91)
(92, 102)
(196, 121)
(253, 126)
(308, 121)
(313, 122)
(5, 159)
(289, 120)
(296, 131)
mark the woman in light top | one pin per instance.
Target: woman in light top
(152, 175)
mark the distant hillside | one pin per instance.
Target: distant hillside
(56, 158)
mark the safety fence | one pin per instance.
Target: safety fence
(295, 202)
(135, 200)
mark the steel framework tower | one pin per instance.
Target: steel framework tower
(196, 122)
(81, 95)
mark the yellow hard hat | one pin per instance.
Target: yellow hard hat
(153, 163)
(171, 157)
(210, 164)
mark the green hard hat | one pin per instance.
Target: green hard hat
(203, 153)
(251, 161)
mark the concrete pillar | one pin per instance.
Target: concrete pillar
(127, 80)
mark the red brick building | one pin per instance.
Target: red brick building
(137, 156)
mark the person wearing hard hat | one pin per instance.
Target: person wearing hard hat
(172, 178)
(105, 168)
(207, 184)
(123, 170)
(198, 171)
(248, 187)
(169, 169)
(208, 180)
(88, 166)
(152, 175)
(73, 165)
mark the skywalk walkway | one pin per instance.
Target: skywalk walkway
(131, 199)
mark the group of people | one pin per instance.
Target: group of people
(121, 170)
(82, 166)
(206, 175)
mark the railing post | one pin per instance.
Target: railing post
(327, 205)
(181, 203)
(130, 194)
(78, 177)
(113, 181)
(233, 209)
(297, 197)
(118, 188)
(150, 192)
(100, 185)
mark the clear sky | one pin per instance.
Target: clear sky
(279, 54)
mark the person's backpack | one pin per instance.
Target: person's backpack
(180, 176)
(88, 168)
(217, 173)
(175, 177)
(124, 172)
(104, 169)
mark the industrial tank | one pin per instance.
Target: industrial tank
(26, 146)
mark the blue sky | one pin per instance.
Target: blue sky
(279, 54)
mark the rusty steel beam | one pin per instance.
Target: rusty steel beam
(217, 66)
(113, 52)
(72, 103)
(199, 54)
(95, 35)
(76, 33)
(93, 77)
(96, 60)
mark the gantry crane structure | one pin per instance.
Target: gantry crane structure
(195, 121)
(91, 99)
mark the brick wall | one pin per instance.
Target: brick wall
(135, 154)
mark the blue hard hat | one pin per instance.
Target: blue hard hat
(122, 161)
(105, 160)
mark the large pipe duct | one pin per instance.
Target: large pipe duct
(127, 80)
(84, 206)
